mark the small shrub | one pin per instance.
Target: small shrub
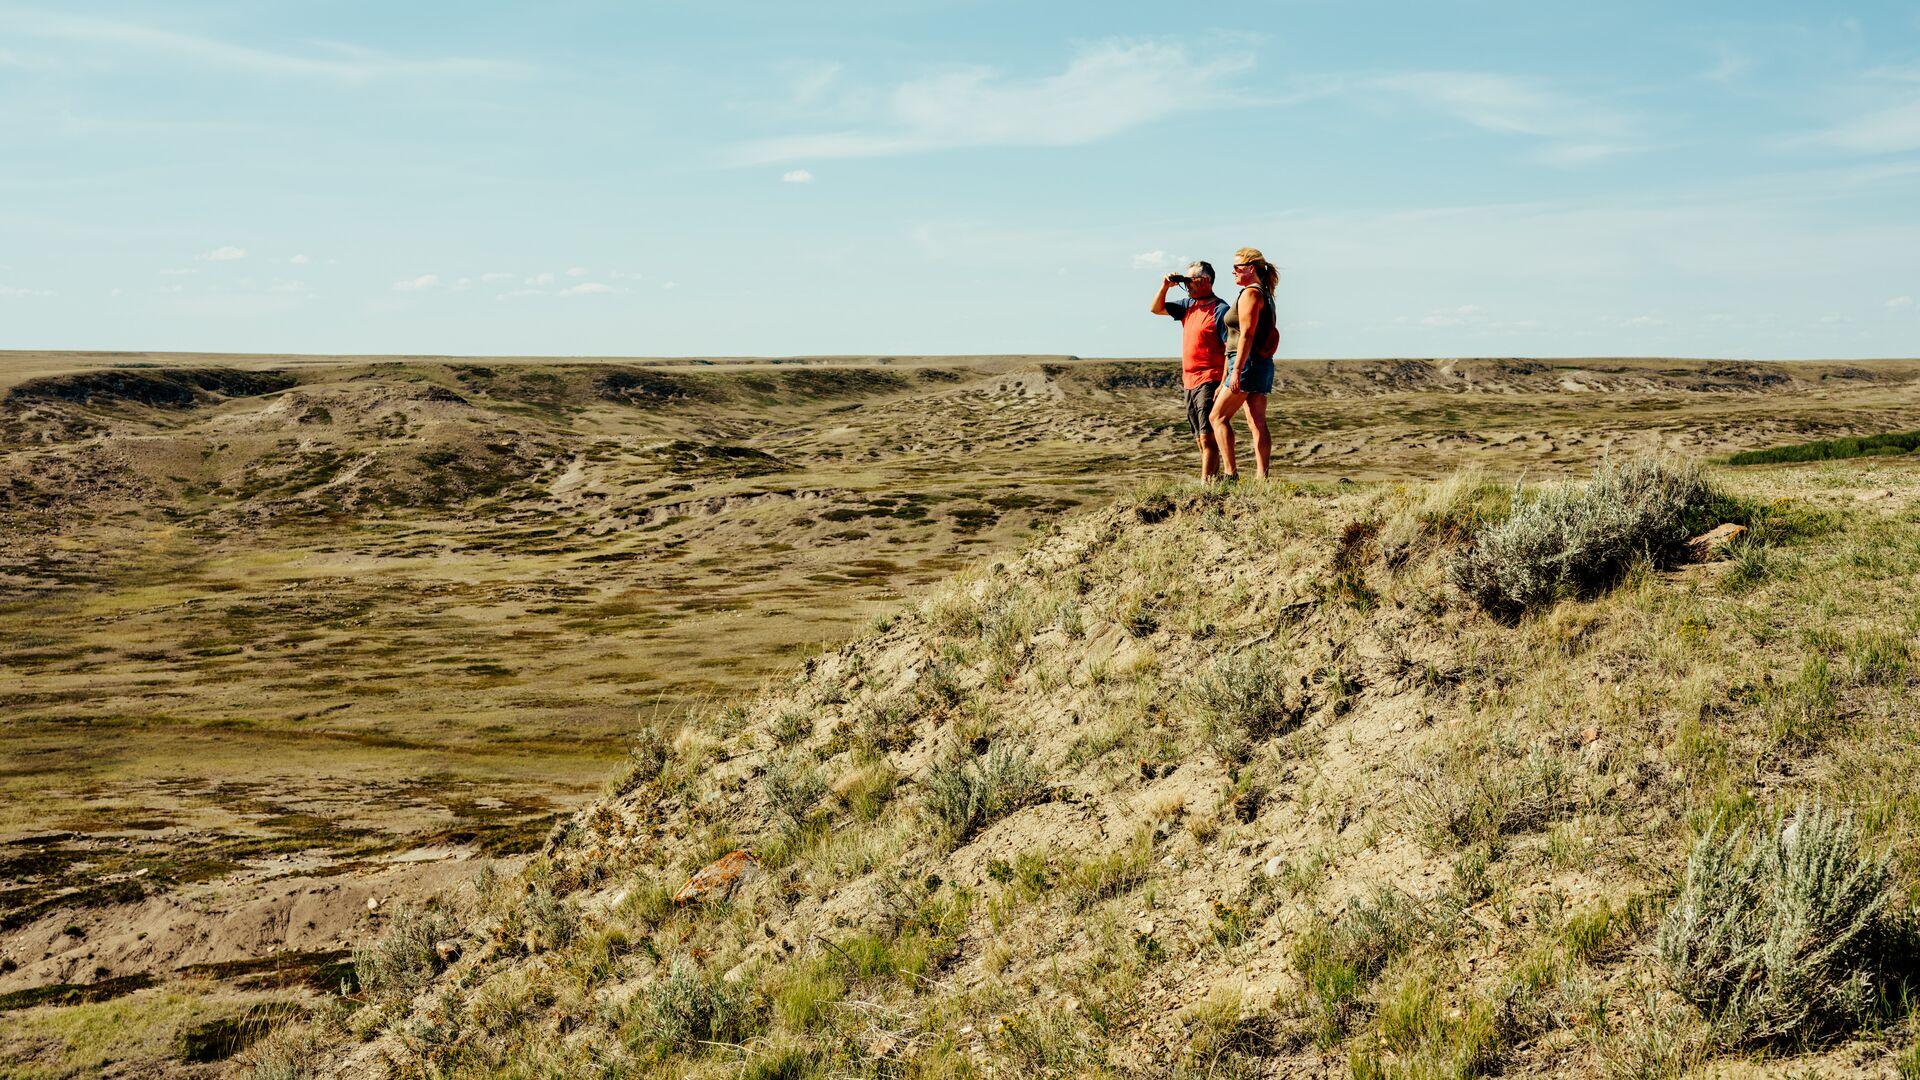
(1784, 935)
(967, 793)
(690, 1008)
(1576, 541)
(402, 961)
(540, 922)
(793, 789)
(1243, 699)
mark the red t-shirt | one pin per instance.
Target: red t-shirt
(1203, 339)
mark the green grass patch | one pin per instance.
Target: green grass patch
(1852, 446)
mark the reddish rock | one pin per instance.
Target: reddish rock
(1714, 540)
(718, 878)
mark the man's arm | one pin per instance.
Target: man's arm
(1160, 298)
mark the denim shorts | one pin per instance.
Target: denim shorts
(1256, 378)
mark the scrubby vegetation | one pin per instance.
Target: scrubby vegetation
(1323, 813)
(1572, 540)
(1831, 449)
(1789, 934)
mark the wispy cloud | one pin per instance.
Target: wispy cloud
(417, 284)
(1583, 131)
(328, 60)
(1107, 88)
(587, 288)
(796, 176)
(11, 292)
(229, 253)
(1887, 130)
(1899, 302)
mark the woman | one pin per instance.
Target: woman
(1249, 360)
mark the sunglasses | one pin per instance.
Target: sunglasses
(1243, 266)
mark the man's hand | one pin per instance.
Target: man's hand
(1170, 279)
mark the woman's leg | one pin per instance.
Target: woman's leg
(1225, 404)
(1262, 441)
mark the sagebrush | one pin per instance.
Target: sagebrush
(1789, 932)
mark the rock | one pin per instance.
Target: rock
(373, 903)
(448, 951)
(718, 878)
(1589, 735)
(1275, 866)
(1714, 541)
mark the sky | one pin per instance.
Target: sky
(949, 176)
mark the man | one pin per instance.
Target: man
(1203, 352)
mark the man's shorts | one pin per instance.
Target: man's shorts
(1200, 407)
(1255, 378)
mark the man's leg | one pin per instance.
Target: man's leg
(1209, 457)
(1225, 404)
(1262, 441)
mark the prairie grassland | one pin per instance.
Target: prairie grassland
(1318, 815)
(292, 634)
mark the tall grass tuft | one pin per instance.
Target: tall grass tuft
(1576, 541)
(1786, 935)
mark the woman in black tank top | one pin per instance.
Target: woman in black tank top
(1249, 361)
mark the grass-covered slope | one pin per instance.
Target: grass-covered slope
(1239, 782)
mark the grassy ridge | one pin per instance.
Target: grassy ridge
(1136, 805)
(1832, 449)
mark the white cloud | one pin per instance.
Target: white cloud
(1572, 155)
(1883, 131)
(495, 277)
(10, 292)
(417, 284)
(1899, 302)
(463, 284)
(514, 294)
(288, 287)
(1157, 260)
(1107, 88)
(299, 260)
(1463, 315)
(587, 288)
(225, 254)
(177, 271)
(576, 271)
(669, 284)
(540, 279)
(332, 60)
(796, 176)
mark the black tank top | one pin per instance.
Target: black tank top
(1265, 332)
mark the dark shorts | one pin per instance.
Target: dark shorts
(1256, 379)
(1200, 407)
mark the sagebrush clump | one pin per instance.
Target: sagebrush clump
(1784, 934)
(402, 961)
(967, 793)
(1575, 541)
(1242, 699)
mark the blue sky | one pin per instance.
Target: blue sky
(958, 177)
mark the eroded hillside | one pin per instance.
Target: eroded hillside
(1211, 783)
(288, 636)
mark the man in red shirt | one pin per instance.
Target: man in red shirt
(1203, 352)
